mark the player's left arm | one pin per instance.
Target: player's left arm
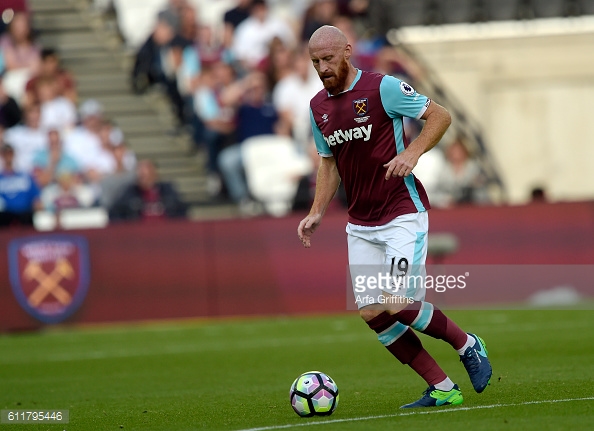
(437, 120)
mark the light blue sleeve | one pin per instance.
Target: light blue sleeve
(40, 159)
(321, 144)
(206, 105)
(401, 99)
(191, 61)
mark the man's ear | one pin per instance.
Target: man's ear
(348, 51)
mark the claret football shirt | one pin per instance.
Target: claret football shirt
(362, 128)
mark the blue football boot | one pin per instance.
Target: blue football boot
(477, 364)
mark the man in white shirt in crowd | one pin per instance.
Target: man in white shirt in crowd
(27, 139)
(252, 37)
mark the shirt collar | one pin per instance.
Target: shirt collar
(352, 84)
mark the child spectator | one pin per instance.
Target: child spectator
(27, 139)
(66, 193)
(49, 162)
(19, 195)
(51, 68)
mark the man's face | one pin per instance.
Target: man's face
(147, 174)
(32, 117)
(7, 157)
(50, 65)
(332, 66)
(53, 137)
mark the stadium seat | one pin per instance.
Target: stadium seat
(136, 19)
(588, 7)
(409, 12)
(75, 218)
(548, 8)
(456, 11)
(501, 10)
(273, 168)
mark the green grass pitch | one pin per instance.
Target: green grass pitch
(235, 374)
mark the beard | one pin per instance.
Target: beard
(335, 83)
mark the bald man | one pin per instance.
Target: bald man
(358, 131)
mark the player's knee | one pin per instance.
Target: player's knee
(368, 314)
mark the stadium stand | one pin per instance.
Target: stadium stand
(90, 47)
(96, 41)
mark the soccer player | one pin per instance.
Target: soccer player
(357, 126)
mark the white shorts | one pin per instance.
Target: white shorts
(387, 263)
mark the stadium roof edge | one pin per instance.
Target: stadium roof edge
(492, 30)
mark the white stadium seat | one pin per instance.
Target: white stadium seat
(273, 168)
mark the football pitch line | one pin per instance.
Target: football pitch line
(416, 413)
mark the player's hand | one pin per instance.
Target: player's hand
(307, 227)
(401, 165)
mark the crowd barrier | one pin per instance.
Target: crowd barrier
(183, 269)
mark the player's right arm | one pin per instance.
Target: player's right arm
(327, 183)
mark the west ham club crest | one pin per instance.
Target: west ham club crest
(360, 106)
(49, 275)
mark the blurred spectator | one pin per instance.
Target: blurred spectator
(21, 55)
(117, 164)
(114, 185)
(162, 59)
(256, 116)
(27, 139)
(461, 180)
(292, 94)
(388, 61)
(278, 63)
(209, 45)
(10, 113)
(215, 117)
(122, 164)
(253, 36)
(149, 67)
(19, 195)
(118, 157)
(49, 163)
(148, 198)
(232, 19)
(50, 68)
(84, 144)
(66, 193)
(321, 12)
(188, 21)
(7, 10)
(56, 111)
(236, 16)
(184, 62)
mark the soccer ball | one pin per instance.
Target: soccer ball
(313, 394)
